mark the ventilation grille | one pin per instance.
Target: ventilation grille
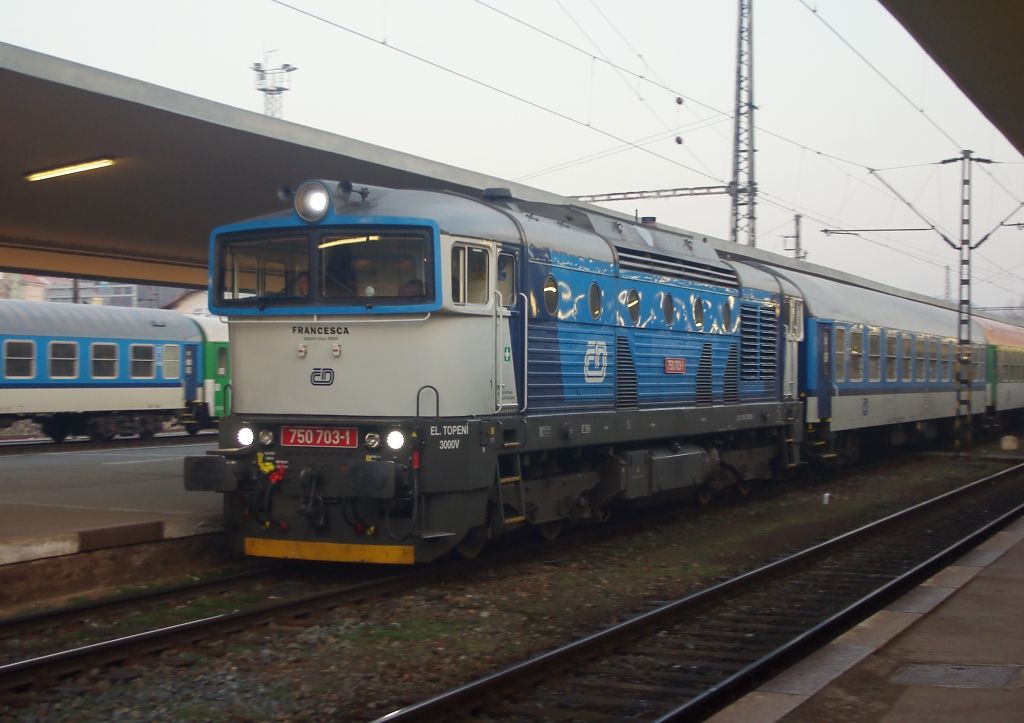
(704, 376)
(625, 375)
(732, 376)
(759, 336)
(652, 263)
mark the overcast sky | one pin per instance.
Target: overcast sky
(579, 96)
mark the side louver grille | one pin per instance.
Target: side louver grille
(654, 263)
(759, 337)
(704, 376)
(625, 375)
(732, 376)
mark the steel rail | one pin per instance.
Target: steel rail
(441, 706)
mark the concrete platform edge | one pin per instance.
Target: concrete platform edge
(786, 692)
(85, 540)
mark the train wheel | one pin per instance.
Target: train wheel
(472, 543)
(551, 531)
(58, 433)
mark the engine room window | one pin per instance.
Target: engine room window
(470, 283)
(633, 305)
(507, 279)
(668, 308)
(63, 360)
(551, 295)
(698, 312)
(596, 300)
(104, 361)
(727, 315)
(143, 361)
(856, 356)
(19, 359)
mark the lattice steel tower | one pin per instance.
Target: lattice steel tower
(743, 187)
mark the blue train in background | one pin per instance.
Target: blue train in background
(104, 371)
(419, 371)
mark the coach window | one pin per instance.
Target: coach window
(63, 360)
(172, 361)
(19, 359)
(890, 356)
(104, 361)
(874, 356)
(947, 361)
(934, 349)
(920, 358)
(633, 305)
(907, 362)
(551, 295)
(839, 354)
(143, 361)
(596, 300)
(507, 279)
(668, 308)
(856, 355)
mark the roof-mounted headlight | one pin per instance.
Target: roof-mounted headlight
(312, 201)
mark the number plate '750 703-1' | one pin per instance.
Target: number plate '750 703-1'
(319, 437)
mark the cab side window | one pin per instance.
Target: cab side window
(470, 278)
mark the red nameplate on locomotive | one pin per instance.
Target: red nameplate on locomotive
(319, 437)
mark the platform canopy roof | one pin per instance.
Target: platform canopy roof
(185, 164)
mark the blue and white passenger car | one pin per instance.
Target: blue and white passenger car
(96, 370)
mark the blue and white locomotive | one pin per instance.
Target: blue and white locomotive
(418, 371)
(103, 371)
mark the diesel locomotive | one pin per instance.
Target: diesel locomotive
(418, 371)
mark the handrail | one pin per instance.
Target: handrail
(526, 352)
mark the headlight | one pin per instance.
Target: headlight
(396, 440)
(312, 201)
(372, 440)
(266, 437)
(245, 436)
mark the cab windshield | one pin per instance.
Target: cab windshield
(361, 266)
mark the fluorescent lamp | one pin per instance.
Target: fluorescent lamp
(65, 170)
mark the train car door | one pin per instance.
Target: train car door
(509, 337)
(825, 382)
(191, 375)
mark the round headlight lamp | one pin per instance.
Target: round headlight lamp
(266, 437)
(312, 201)
(372, 440)
(395, 440)
(245, 436)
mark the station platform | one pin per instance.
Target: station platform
(950, 650)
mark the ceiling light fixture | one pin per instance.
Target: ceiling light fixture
(65, 170)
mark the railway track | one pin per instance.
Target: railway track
(692, 656)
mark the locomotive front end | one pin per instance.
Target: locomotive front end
(356, 433)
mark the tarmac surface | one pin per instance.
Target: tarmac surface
(950, 650)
